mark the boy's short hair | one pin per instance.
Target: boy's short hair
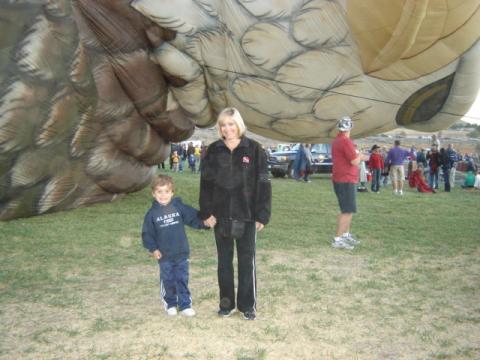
(163, 180)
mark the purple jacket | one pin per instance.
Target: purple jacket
(396, 156)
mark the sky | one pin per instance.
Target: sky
(474, 111)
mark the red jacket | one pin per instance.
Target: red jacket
(375, 161)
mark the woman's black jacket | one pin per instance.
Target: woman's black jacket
(235, 184)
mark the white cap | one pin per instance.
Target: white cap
(345, 124)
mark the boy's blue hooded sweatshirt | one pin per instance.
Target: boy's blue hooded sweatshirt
(164, 228)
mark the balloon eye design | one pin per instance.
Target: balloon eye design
(425, 103)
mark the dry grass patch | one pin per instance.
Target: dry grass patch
(329, 305)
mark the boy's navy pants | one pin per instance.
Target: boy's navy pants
(244, 235)
(174, 283)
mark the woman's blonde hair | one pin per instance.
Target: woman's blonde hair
(233, 114)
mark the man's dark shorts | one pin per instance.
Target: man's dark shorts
(346, 195)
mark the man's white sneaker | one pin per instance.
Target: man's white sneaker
(172, 311)
(188, 312)
(348, 237)
(400, 192)
(341, 244)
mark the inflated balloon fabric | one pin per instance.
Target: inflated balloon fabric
(94, 91)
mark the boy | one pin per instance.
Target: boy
(163, 234)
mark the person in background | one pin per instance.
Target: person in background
(476, 183)
(433, 158)
(412, 161)
(471, 170)
(306, 161)
(453, 159)
(468, 158)
(362, 177)
(182, 155)
(173, 147)
(395, 159)
(376, 165)
(445, 164)
(385, 174)
(235, 197)
(192, 162)
(436, 141)
(417, 180)
(346, 159)
(421, 158)
(190, 149)
(413, 153)
(469, 182)
(175, 161)
(198, 154)
(297, 162)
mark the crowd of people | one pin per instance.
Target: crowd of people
(186, 155)
(423, 169)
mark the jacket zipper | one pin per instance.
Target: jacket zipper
(231, 177)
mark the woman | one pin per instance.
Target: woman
(235, 198)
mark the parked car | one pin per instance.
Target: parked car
(280, 163)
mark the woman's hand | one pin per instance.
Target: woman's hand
(259, 226)
(211, 221)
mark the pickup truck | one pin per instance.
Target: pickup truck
(280, 163)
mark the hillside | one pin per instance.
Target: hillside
(407, 137)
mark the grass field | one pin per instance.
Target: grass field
(79, 285)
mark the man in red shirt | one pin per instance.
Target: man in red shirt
(346, 159)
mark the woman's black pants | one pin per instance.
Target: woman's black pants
(243, 234)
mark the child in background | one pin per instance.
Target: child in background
(175, 161)
(376, 165)
(192, 160)
(163, 234)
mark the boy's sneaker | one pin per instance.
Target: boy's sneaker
(249, 315)
(340, 243)
(172, 311)
(225, 312)
(400, 192)
(348, 237)
(188, 312)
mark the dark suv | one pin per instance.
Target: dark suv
(280, 163)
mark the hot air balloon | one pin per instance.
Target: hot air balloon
(93, 92)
